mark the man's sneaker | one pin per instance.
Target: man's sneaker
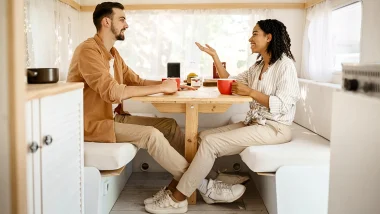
(232, 178)
(219, 192)
(155, 197)
(165, 204)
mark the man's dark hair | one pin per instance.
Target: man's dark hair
(280, 42)
(104, 10)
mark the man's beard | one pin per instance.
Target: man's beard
(117, 36)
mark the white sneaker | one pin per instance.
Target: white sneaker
(232, 178)
(166, 205)
(219, 192)
(155, 197)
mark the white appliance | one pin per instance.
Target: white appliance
(362, 78)
(355, 154)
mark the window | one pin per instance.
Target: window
(346, 30)
(155, 38)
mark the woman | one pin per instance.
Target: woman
(273, 85)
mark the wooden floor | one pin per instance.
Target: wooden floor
(143, 185)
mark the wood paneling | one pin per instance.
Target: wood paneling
(34, 91)
(203, 95)
(191, 138)
(310, 3)
(213, 108)
(207, 6)
(170, 107)
(72, 3)
(16, 103)
(181, 107)
(267, 173)
(110, 173)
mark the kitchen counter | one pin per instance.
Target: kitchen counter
(35, 91)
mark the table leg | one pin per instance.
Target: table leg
(191, 137)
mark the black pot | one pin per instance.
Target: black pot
(42, 75)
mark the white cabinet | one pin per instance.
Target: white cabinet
(54, 127)
(355, 155)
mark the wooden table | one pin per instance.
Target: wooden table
(204, 100)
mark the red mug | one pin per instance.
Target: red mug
(225, 86)
(178, 80)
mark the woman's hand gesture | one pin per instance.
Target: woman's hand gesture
(208, 49)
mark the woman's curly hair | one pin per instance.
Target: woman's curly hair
(280, 42)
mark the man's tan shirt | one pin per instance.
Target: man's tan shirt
(91, 65)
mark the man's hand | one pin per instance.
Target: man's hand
(186, 87)
(169, 86)
(241, 89)
(208, 49)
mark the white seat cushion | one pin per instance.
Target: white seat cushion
(108, 156)
(306, 148)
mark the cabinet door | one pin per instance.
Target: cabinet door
(62, 153)
(33, 156)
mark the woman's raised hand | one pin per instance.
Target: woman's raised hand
(208, 49)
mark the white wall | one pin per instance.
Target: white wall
(4, 140)
(87, 26)
(370, 38)
(294, 20)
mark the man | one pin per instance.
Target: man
(108, 80)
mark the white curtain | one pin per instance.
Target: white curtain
(317, 59)
(52, 33)
(157, 37)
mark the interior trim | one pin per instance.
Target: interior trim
(206, 6)
(72, 3)
(311, 3)
(16, 105)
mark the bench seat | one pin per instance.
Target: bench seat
(108, 156)
(305, 148)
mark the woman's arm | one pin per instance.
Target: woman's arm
(212, 52)
(220, 68)
(242, 89)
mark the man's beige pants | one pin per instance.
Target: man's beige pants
(228, 140)
(161, 137)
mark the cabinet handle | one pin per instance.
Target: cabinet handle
(34, 147)
(48, 140)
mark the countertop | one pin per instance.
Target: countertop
(35, 91)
